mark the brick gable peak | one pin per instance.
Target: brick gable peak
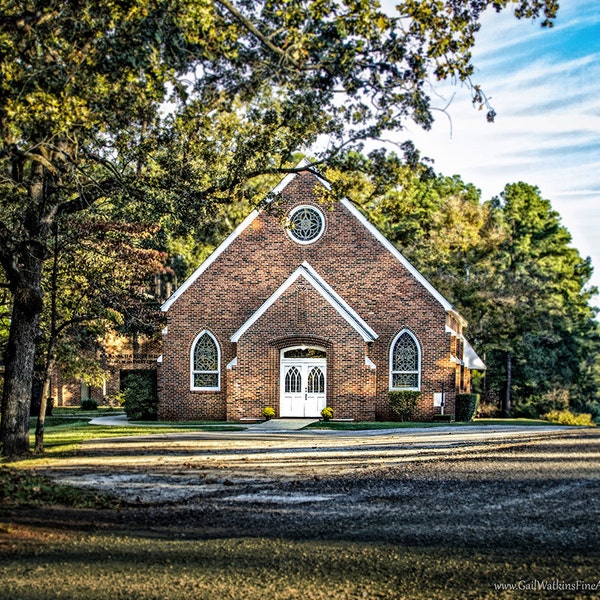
(303, 166)
(325, 290)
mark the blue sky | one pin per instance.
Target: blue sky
(545, 87)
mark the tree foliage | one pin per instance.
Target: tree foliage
(83, 87)
(509, 267)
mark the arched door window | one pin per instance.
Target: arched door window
(205, 363)
(405, 362)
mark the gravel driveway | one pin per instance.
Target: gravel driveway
(437, 513)
(479, 486)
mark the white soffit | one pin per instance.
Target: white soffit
(326, 291)
(471, 359)
(238, 230)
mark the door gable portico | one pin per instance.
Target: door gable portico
(316, 282)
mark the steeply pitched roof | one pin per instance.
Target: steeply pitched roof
(325, 290)
(349, 206)
(235, 233)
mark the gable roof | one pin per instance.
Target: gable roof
(326, 291)
(305, 165)
(397, 254)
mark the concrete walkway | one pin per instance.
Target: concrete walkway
(270, 426)
(114, 421)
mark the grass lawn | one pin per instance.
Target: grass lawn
(64, 432)
(79, 565)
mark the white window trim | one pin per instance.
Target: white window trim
(290, 230)
(193, 372)
(391, 363)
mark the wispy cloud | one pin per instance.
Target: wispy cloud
(545, 87)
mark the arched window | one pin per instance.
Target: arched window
(405, 362)
(205, 363)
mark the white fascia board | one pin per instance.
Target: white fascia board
(452, 332)
(237, 231)
(334, 300)
(369, 363)
(210, 260)
(398, 255)
(471, 359)
(344, 308)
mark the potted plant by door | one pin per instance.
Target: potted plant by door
(268, 412)
(327, 413)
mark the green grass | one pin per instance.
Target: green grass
(23, 488)
(113, 565)
(65, 439)
(65, 432)
(63, 436)
(189, 424)
(362, 425)
(520, 422)
(101, 411)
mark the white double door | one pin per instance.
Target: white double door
(303, 387)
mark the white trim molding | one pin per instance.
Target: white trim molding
(326, 291)
(291, 230)
(471, 359)
(369, 363)
(194, 371)
(210, 260)
(303, 164)
(398, 255)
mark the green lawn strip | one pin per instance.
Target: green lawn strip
(188, 424)
(24, 488)
(520, 422)
(101, 411)
(80, 565)
(362, 425)
(65, 438)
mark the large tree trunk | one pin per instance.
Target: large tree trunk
(20, 354)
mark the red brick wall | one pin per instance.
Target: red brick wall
(256, 376)
(358, 267)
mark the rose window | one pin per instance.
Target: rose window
(306, 224)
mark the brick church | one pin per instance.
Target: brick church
(305, 306)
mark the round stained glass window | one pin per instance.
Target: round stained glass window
(306, 224)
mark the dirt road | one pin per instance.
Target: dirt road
(478, 486)
(522, 504)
